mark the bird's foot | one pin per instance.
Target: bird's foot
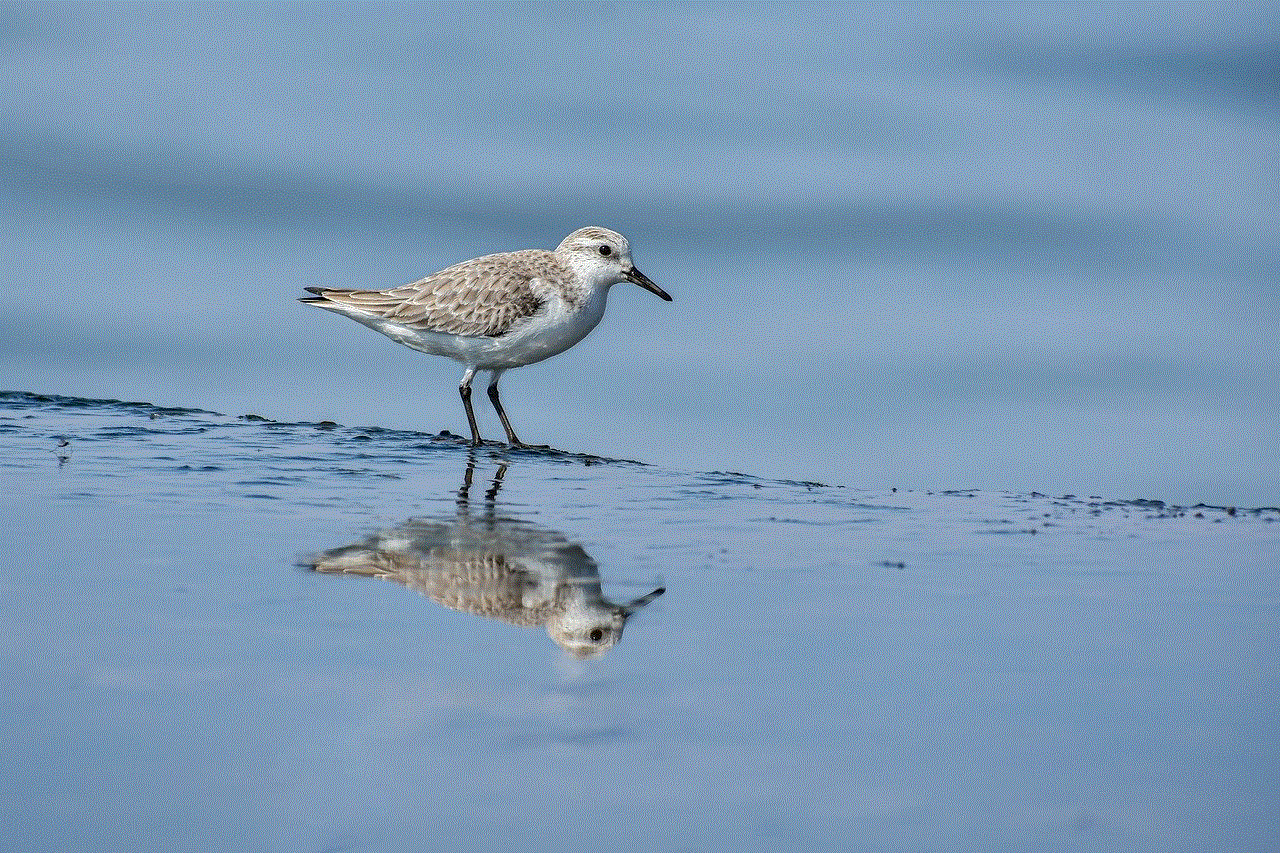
(520, 445)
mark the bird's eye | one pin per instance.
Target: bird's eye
(606, 251)
(596, 634)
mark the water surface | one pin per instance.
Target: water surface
(828, 669)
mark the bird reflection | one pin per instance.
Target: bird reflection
(494, 566)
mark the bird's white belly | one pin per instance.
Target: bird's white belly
(548, 333)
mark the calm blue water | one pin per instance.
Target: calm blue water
(1011, 247)
(829, 669)
(946, 259)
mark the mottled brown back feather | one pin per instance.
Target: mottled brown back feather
(484, 297)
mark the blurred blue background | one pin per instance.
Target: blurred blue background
(958, 246)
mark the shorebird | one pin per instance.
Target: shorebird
(499, 311)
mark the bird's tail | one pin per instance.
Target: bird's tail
(321, 294)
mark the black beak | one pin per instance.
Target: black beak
(628, 609)
(634, 276)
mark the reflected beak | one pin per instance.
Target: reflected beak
(628, 609)
(634, 276)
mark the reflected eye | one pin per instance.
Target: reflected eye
(606, 251)
(596, 634)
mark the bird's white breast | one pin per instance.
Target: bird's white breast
(554, 329)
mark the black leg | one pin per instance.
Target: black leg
(506, 424)
(465, 390)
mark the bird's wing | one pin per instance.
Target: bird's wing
(484, 297)
(473, 581)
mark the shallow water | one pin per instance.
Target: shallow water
(1010, 247)
(828, 668)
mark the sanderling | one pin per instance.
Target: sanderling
(499, 311)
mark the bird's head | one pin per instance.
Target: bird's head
(604, 256)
